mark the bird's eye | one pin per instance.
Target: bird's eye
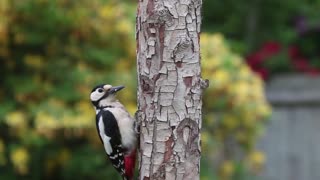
(100, 90)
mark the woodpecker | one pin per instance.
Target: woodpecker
(115, 128)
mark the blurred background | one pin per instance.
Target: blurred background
(261, 111)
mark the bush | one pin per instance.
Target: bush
(235, 110)
(52, 54)
(255, 22)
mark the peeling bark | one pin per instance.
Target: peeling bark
(169, 88)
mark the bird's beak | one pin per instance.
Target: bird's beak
(115, 89)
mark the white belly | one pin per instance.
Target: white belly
(125, 123)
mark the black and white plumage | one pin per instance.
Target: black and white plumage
(115, 127)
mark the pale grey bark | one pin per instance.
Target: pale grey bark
(169, 88)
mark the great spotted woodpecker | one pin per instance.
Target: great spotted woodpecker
(115, 128)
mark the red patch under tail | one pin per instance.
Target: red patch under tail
(129, 163)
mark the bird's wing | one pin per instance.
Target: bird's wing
(110, 136)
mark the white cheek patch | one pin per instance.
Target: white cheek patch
(95, 96)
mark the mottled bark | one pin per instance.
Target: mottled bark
(169, 88)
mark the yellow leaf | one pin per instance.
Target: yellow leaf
(230, 122)
(34, 61)
(124, 26)
(227, 168)
(16, 119)
(220, 78)
(20, 159)
(257, 158)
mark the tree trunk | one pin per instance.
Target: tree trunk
(169, 88)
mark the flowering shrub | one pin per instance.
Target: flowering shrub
(235, 108)
(301, 56)
(273, 58)
(52, 53)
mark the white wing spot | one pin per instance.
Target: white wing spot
(114, 157)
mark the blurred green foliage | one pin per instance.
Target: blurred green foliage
(235, 111)
(254, 22)
(54, 51)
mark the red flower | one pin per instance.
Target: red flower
(271, 48)
(262, 72)
(268, 49)
(293, 52)
(301, 64)
(255, 59)
(313, 71)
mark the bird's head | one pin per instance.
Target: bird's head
(104, 95)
